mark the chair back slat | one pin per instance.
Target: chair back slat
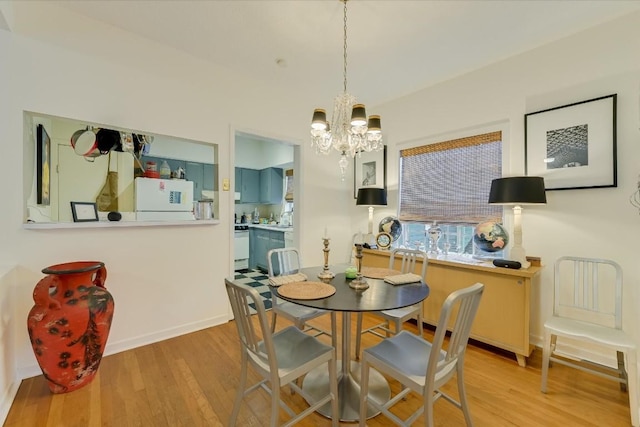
(588, 289)
(409, 260)
(466, 301)
(256, 340)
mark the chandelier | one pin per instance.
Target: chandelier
(349, 132)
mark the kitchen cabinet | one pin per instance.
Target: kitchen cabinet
(248, 185)
(261, 241)
(502, 319)
(271, 182)
(195, 172)
(203, 177)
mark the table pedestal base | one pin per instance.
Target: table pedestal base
(316, 385)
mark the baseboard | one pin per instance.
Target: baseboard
(142, 340)
(7, 400)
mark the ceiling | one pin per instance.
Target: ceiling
(394, 47)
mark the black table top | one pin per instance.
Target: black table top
(379, 296)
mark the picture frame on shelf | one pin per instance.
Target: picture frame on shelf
(43, 167)
(573, 146)
(84, 211)
(370, 170)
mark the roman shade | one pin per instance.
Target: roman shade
(449, 181)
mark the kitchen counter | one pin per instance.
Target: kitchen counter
(270, 227)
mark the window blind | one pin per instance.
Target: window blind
(449, 181)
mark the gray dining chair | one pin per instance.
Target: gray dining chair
(409, 260)
(278, 358)
(284, 261)
(422, 366)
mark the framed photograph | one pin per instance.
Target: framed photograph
(43, 174)
(573, 146)
(84, 211)
(370, 170)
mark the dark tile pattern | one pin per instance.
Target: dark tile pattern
(257, 280)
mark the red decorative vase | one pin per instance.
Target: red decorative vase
(69, 323)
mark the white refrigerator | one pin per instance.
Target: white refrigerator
(163, 199)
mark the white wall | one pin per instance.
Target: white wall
(54, 63)
(593, 222)
(165, 280)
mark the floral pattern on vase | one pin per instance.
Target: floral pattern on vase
(70, 322)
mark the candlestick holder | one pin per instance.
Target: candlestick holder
(359, 283)
(326, 274)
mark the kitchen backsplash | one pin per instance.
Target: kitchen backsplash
(265, 210)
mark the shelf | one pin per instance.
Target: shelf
(117, 224)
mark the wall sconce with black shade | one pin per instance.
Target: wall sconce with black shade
(517, 191)
(371, 197)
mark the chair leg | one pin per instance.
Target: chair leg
(546, 354)
(386, 326)
(358, 335)
(622, 371)
(334, 330)
(241, 386)
(428, 408)
(275, 403)
(632, 385)
(274, 316)
(364, 390)
(420, 325)
(333, 386)
(464, 405)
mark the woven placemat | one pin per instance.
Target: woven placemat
(306, 290)
(378, 273)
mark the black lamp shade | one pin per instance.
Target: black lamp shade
(372, 197)
(518, 190)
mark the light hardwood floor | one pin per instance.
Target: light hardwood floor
(191, 381)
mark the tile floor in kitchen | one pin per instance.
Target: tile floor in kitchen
(258, 280)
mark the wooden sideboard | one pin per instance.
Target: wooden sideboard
(503, 316)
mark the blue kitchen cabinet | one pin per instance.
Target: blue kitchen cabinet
(195, 172)
(271, 184)
(261, 241)
(250, 189)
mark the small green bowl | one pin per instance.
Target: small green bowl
(351, 272)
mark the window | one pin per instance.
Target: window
(448, 183)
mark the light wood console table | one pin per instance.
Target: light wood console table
(503, 315)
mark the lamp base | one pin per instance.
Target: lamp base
(517, 253)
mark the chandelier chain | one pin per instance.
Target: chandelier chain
(344, 72)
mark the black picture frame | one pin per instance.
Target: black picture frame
(573, 146)
(370, 170)
(84, 212)
(43, 169)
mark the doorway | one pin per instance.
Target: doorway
(264, 197)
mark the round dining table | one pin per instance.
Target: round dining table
(377, 297)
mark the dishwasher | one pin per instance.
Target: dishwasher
(241, 247)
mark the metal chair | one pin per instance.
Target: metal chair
(278, 358)
(587, 309)
(287, 261)
(421, 366)
(400, 315)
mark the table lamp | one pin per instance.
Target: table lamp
(517, 191)
(371, 197)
